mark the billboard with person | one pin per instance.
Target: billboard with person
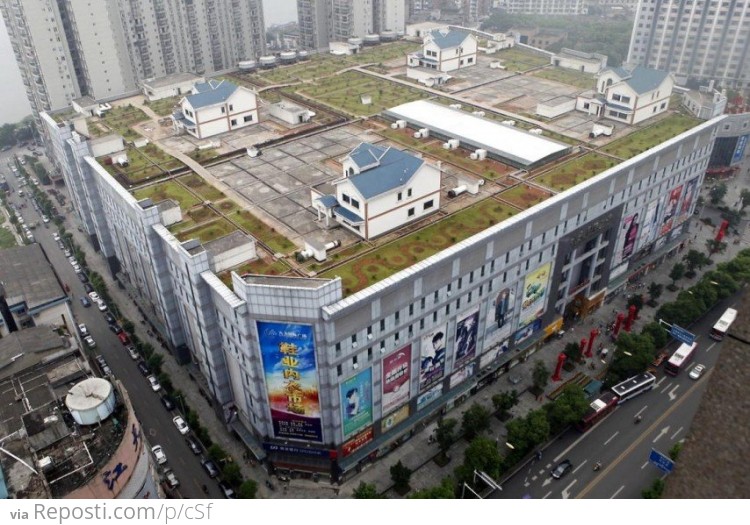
(396, 379)
(687, 200)
(499, 317)
(289, 366)
(648, 224)
(534, 294)
(432, 357)
(670, 210)
(356, 402)
(466, 337)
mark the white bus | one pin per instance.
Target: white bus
(721, 327)
(680, 359)
(634, 386)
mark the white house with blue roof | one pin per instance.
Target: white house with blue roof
(444, 50)
(383, 188)
(628, 94)
(214, 107)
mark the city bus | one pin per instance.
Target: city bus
(721, 327)
(597, 411)
(679, 360)
(634, 386)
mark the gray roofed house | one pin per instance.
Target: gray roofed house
(445, 50)
(210, 93)
(447, 38)
(641, 79)
(381, 169)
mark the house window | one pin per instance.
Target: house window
(223, 109)
(429, 204)
(231, 107)
(233, 122)
(399, 196)
(470, 60)
(408, 192)
(345, 198)
(355, 203)
(410, 213)
(247, 118)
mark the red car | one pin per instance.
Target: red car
(123, 338)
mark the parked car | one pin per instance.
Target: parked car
(102, 305)
(94, 296)
(181, 426)
(82, 277)
(155, 386)
(123, 337)
(45, 219)
(562, 469)
(210, 467)
(143, 368)
(60, 245)
(66, 252)
(697, 371)
(90, 341)
(82, 329)
(170, 479)
(226, 490)
(85, 301)
(167, 402)
(132, 353)
(110, 318)
(195, 447)
(159, 454)
(116, 328)
(88, 287)
(56, 236)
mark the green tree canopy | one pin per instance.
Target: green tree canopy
(695, 260)
(446, 490)
(717, 193)
(248, 489)
(445, 434)
(677, 272)
(475, 421)
(633, 354)
(567, 408)
(481, 455)
(400, 475)
(366, 491)
(540, 375)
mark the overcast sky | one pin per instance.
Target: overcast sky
(15, 106)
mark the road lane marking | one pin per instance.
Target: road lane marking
(547, 495)
(641, 410)
(663, 432)
(613, 496)
(666, 387)
(658, 383)
(565, 492)
(675, 434)
(579, 466)
(672, 395)
(611, 438)
(710, 347)
(646, 464)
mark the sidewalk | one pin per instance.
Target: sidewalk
(417, 453)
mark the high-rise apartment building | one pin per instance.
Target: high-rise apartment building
(324, 21)
(67, 49)
(546, 7)
(697, 41)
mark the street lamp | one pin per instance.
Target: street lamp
(510, 446)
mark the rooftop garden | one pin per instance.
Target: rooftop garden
(120, 119)
(374, 266)
(165, 106)
(7, 239)
(260, 266)
(145, 163)
(194, 217)
(575, 171)
(207, 231)
(168, 190)
(198, 185)
(261, 231)
(524, 195)
(64, 115)
(567, 76)
(345, 92)
(516, 59)
(646, 138)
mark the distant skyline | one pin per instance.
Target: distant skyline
(15, 104)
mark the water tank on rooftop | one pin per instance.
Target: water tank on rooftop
(354, 41)
(268, 61)
(371, 40)
(91, 401)
(388, 35)
(288, 57)
(247, 65)
(303, 55)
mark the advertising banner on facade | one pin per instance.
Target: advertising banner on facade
(466, 337)
(356, 402)
(428, 397)
(396, 379)
(357, 442)
(670, 210)
(687, 200)
(499, 317)
(527, 331)
(462, 375)
(649, 225)
(626, 238)
(489, 357)
(391, 420)
(534, 294)
(432, 357)
(739, 150)
(289, 366)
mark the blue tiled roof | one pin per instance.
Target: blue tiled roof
(619, 107)
(392, 169)
(640, 79)
(328, 201)
(366, 155)
(210, 93)
(448, 39)
(348, 215)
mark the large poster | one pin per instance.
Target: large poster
(391, 420)
(648, 225)
(466, 337)
(356, 402)
(462, 375)
(288, 353)
(670, 211)
(526, 332)
(687, 200)
(499, 317)
(488, 357)
(428, 397)
(396, 383)
(432, 357)
(535, 294)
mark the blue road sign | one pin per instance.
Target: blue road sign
(681, 334)
(661, 461)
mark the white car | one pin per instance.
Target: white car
(181, 425)
(77, 268)
(159, 454)
(102, 305)
(155, 386)
(83, 330)
(56, 236)
(72, 260)
(171, 479)
(133, 353)
(45, 219)
(90, 341)
(697, 371)
(66, 252)
(94, 296)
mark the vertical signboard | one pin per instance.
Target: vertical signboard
(687, 200)
(432, 357)
(396, 383)
(466, 337)
(499, 317)
(649, 226)
(534, 294)
(356, 402)
(290, 370)
(670, 210)
(739, 150)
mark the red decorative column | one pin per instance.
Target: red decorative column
(592, 336)
(560, 360)
(582, 344)
(633, 313)
(628, 323)
(618, 324)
